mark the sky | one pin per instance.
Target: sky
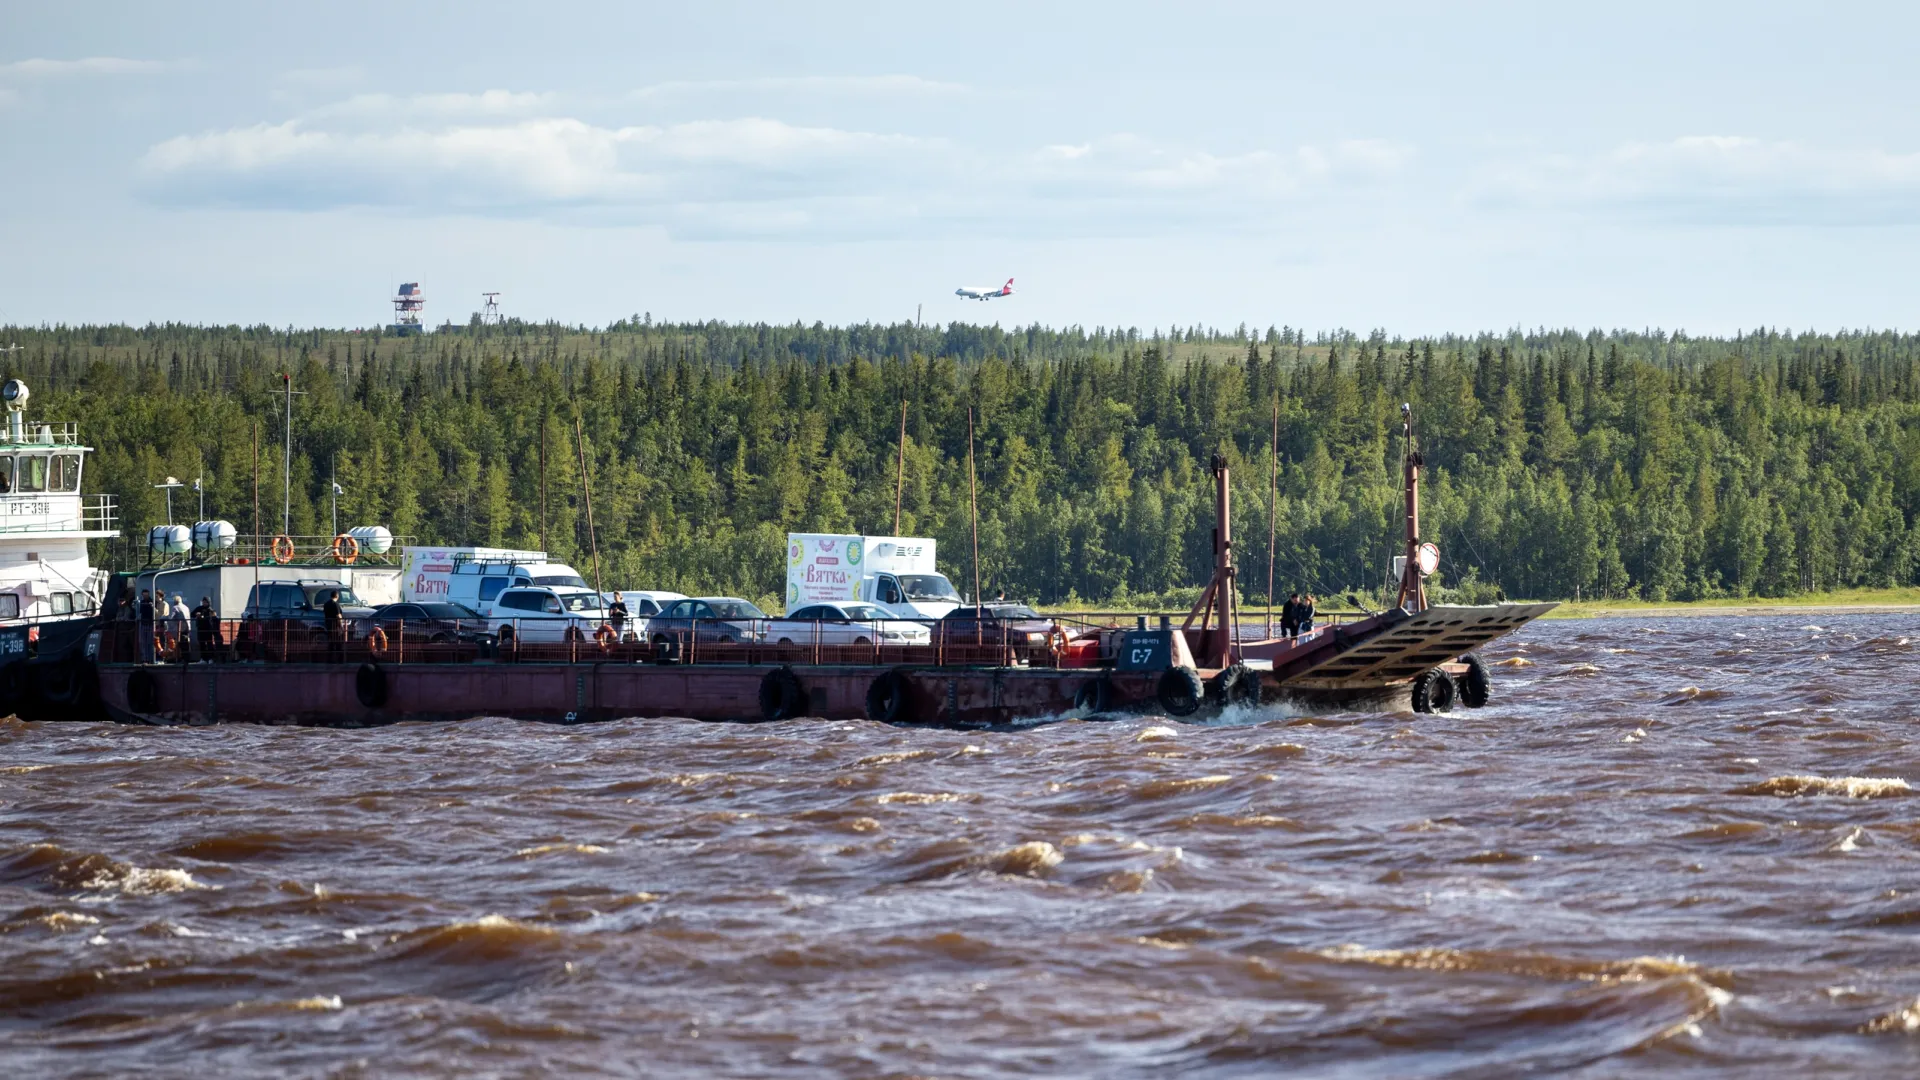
(1420, 168)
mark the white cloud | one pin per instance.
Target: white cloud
(852, 85)
(1721, 179)
(39, 68)
(508, 154)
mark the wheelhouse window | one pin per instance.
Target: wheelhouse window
(63, 603)
(9, 605)
(31, 477)
(6, 473)
(64, 475)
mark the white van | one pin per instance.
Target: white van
(896, 573)
(474, 576)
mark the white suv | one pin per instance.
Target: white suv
(541, 615)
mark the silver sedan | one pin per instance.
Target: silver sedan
(846, 624)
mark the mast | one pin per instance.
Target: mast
(256, 502)
(586, 486)
(543, 477)
(900, 471)
(1413, 590)
(973, 506)
(1273, 512)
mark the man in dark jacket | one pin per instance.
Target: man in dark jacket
(1290, 616)
(617, 617)
(336, 626)
(206, 628)
(144, 627)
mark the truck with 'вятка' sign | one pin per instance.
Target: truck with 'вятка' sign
(894, 572)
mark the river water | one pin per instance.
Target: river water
(1668, 845)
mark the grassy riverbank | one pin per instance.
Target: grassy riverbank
(1844, 601)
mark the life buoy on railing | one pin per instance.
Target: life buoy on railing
(345, 549)
(377, 641)
(607, 636)
(283, 549)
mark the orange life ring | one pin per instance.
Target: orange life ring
(283, 549)
(1057, 642)
(345, 549)
(606, 636)
(377, 641)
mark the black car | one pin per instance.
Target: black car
(431, 623)
(295, 611)
(1018, 626)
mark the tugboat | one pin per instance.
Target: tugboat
(50, 594)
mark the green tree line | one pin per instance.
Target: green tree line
(1559, 463)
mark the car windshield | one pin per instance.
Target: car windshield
(449, 611)
(928, 587)
(574, 581)
(735, 609)
(317, 595)
(863, 611)
(580, 601)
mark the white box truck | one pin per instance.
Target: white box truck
(893, 572)
(474, 576)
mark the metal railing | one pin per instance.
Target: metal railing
(92, 513)
(1083, 639)
(55, 433)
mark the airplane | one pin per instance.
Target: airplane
(981, 292)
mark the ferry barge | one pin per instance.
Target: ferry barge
(1413, 655)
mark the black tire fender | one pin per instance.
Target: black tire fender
(370, 685)
(1476, 686)
(61, 683)
(14, 686)
(1180, 691)
(1237, 685)
(143, 691)
(1433, 692)
(1094, 696)
(887, 699)
(782, 697)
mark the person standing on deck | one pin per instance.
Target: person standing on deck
(144, 626)
(1290, 617)
(617, 617)
(178, 631)
(336, 626)
(1304, 613)
(206, 629)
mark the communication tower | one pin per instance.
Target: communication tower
(490, 313)
(408, 303)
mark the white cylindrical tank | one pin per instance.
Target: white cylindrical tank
(214, 535)
(373, 539)
(169, 539)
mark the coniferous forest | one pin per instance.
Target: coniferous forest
(1560, 464)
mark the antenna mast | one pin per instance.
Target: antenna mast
(900, 471)
(1413, 587)
(286, 461)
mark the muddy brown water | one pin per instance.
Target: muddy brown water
(1668, 846)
